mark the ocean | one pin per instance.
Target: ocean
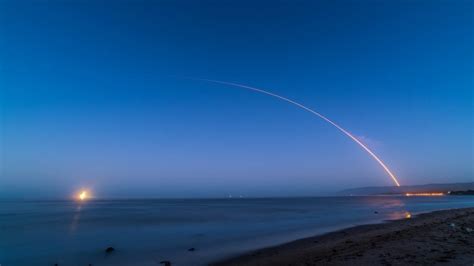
(148, 231)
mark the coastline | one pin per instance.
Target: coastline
(439, 237)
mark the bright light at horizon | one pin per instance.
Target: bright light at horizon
(83, 195)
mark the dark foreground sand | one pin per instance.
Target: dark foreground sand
(437, 238)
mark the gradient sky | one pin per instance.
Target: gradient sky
(91, 96)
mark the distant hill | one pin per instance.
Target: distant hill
(463, 192)
(407, 189)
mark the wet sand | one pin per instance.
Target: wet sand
(437, 238)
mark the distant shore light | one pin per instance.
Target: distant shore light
(424, 194)
(407, 215)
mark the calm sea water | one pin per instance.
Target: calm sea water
(145, 232)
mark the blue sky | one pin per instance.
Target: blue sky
(91, 96)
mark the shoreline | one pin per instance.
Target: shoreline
(438, 237)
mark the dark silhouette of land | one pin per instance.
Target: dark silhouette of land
(391, 190)
(462, 193)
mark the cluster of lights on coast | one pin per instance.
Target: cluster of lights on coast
(421, 194)
(424, 194)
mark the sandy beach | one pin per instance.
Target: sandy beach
(436, 238)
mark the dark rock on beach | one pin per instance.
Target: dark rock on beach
(109, 250)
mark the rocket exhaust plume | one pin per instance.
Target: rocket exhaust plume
(370, 152)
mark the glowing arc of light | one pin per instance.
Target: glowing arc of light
(371, 153)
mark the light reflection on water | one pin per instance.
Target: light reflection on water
(68, 232)
(76, 217)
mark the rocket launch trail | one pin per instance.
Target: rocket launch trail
(362, 145)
